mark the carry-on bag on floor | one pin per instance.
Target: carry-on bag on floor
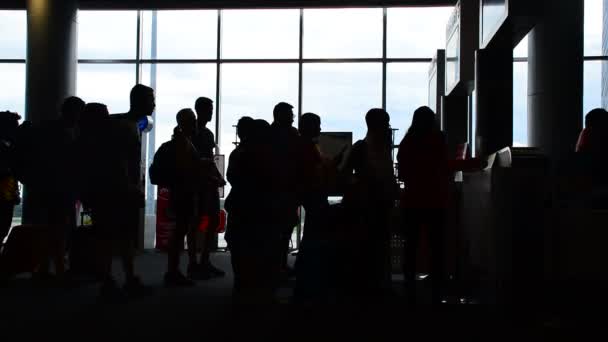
(83, 251)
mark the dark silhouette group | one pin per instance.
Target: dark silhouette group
(90, 157)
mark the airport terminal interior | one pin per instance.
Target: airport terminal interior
(513, 85)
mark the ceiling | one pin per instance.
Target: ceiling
(189, 4)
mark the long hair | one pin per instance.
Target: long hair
(423, 123)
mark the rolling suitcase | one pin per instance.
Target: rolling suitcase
(82, 255)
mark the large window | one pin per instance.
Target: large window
(343, 33)
(109, 84)
(595, 66)
(258, 34)
(404, 93)
(338, 63)
(341, 93)
(107, 34)
(13, 34)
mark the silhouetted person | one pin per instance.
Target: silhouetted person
(119, 210)
(178, 167)
(209, 198)
(251, 234)
(9, 188)
(51, 185)
(313, 182)
(423, 167)
(592, 159)
(372, 196)
(103, 186)
(285, 144)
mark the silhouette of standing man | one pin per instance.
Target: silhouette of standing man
(209, 198)
(285, 143)
(127, 135)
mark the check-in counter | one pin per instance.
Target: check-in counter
(504, 211)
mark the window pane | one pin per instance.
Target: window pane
(260, 33)
(416, 32)
(593, 27)
(12, 88)
(592, 89)
(343, 33)
(109, 84)
(177, 87)
(406, 90)
(181, 35)
(253, 90)
(107, 34)
(13, 34)
(520, 104)
(341, 94)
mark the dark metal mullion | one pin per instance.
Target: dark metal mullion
(596, 58)
(138, 49)
(300, 65)
(246, 61)
(218, 100)
(12, 61)
(108, 61)
(384, 39)
(299, 231)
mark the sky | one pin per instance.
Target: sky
(340, 92)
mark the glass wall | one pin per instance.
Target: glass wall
(338, 63)
(13, 37)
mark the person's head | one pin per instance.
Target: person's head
(244, 128)
(186, 121)
(71, 109)
(259, 131)
(423, 121)
(596, 118)
(310, 125)
(204, 109)
(283, 114)
(142, 101)
(94, 112)
(377, 120)
(9, 122)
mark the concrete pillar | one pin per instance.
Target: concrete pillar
(51, 56)
(50, 65)
(555, 78)
(494, 98)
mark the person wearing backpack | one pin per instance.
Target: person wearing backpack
(177, 166)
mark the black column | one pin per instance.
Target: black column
(494, 97)
(50, 65)
(51, 56)
(555, 77)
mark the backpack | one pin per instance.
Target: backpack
(162, 170)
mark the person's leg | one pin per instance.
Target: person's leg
(410, 232)
(210, 206)
(436, 220)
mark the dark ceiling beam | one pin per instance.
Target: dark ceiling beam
(202, 4)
